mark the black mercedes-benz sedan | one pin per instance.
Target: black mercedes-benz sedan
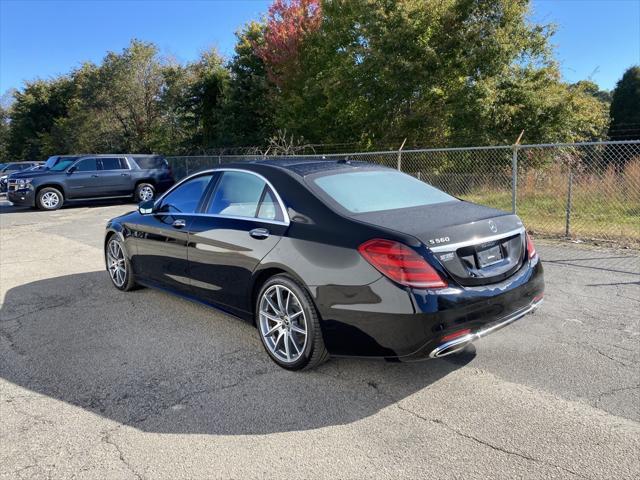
(332, 257)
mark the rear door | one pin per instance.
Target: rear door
(84, 180)
(161, 237)
(115, 177)
(244, 219)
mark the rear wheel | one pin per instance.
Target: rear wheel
(118, 265)
(145, 192)
(288, 324)
(49, 198)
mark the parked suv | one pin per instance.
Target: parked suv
(9, 168)
(90, 177)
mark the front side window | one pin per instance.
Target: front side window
(377, 190)
(62, 165)
(87, 165)
(186, 197)
(240, 194)
(114, 164)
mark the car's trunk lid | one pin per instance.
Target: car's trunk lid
(476, 245)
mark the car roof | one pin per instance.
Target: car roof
(134, 155)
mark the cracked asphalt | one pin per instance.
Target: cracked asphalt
(96, 383)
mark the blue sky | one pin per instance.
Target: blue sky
(596, 39)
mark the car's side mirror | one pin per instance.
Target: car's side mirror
(146, 208)
(72, 169)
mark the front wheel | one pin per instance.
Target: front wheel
(288, 324)
(118, 265)
(49, 198)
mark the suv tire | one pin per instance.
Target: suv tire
(49, 198)
(144, 192)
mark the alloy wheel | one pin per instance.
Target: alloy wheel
(283, 324)
(50, 200)
(116, 263)
(146, 193)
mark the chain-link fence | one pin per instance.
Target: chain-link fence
(581, 191)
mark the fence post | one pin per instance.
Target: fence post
(567, 226)
(514, 180)
(186, 166)
(514, 175)
(219, 159)
(400, 155)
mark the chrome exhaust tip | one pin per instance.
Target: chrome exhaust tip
(452, 346)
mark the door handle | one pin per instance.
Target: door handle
(95, 175)
(259, 233)
(179, 224)
(124, 174)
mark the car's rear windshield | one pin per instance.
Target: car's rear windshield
(377, 190)
(147, 163)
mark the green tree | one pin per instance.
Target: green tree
(33, 114)
(130, 85)
(191, 103)
(451, 72)
(625, 107)
(248, 113)
(4, 135)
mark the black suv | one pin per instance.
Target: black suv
(90, 177)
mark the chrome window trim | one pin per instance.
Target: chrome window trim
(454, 246)
(285, 214)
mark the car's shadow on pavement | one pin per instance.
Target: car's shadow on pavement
(162, 364)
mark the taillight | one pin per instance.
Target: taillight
(531, 248)
(401, 264)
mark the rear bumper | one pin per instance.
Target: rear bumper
(459, 342)
(385, 320)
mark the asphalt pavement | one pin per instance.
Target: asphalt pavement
(96, 383)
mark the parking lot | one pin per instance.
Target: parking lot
(96, 383)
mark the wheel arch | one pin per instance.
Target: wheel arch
(111, 231)
(150, 181)
(260, 277)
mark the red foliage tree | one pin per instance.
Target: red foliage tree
(288, 22)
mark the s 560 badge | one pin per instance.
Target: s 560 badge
(436, 241)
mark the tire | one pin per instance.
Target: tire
(49, 198)
(280, 332)
(144, 192)
(122, 280)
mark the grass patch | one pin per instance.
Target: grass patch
(593, 216)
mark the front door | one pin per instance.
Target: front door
(161, 237)
(243, 221)
(83, 179)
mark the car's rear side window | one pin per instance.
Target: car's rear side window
(377, 190)
(242, 194)
(115, 163)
